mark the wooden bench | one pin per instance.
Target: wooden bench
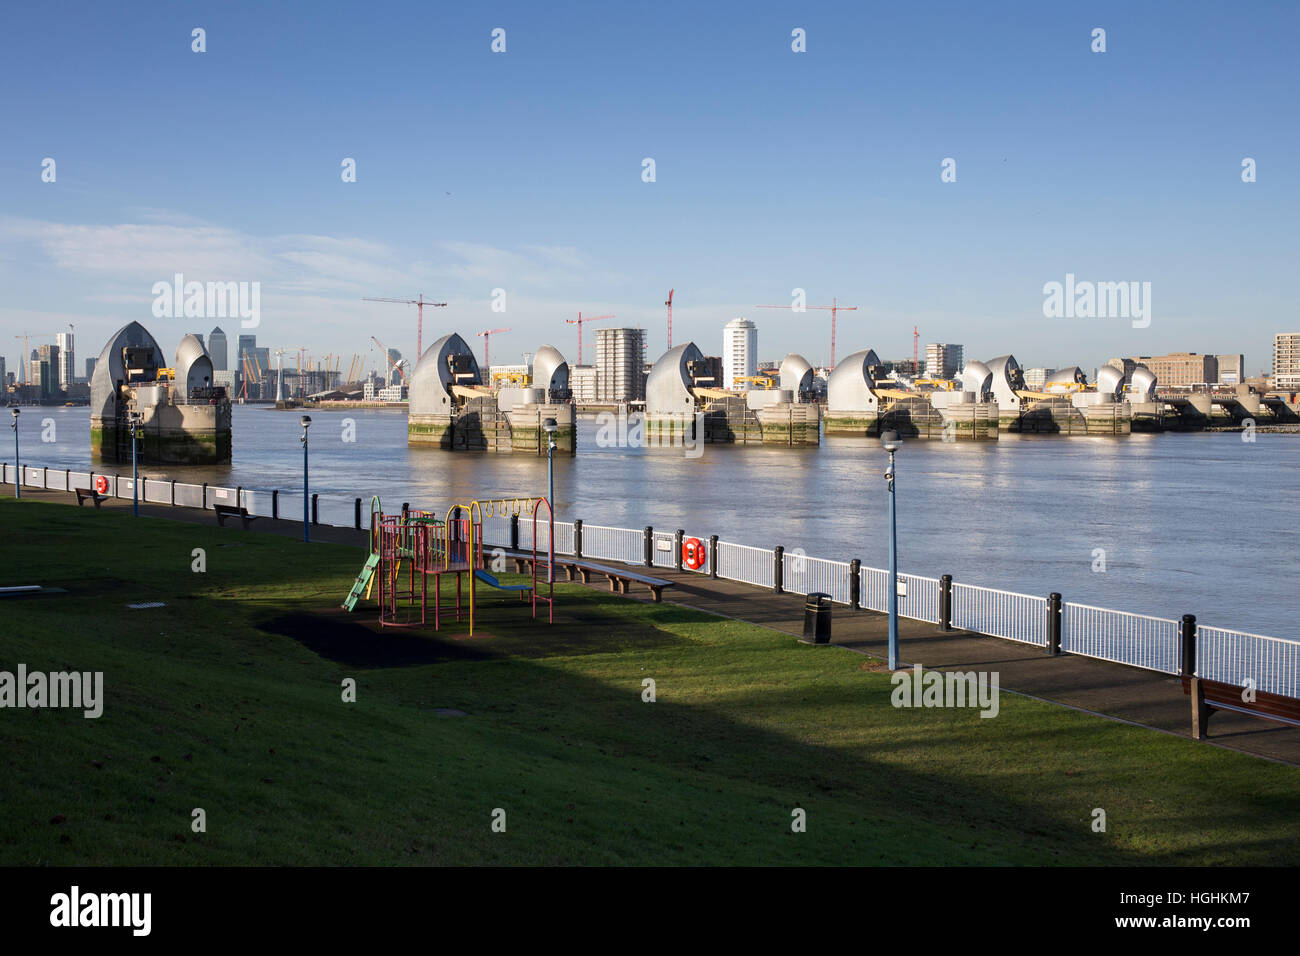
(226, 511)
(1211, 695)
(87, 494)
(619, 578)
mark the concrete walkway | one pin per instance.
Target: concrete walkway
(1113, 691)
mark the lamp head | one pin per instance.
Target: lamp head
(305, 421)
(14, 411)
(891, 441)
(550, 426)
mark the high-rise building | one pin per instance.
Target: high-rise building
(394, 356)
(90, 368)
(218, 349)
(1286, 360)
(67, 363)
(583, 384)
(47, 362)
(739, 351)
(1182, 368)
(4, 377)
(943, 360)
(1231, 369)
(620, 365)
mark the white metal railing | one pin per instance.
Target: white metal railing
(157, 491)
(1272, 663)
(663, 554)
(189, 496)
(740, 562)
(1138, 639)
(496, 531)
(613, 544)
(918, 597)
(801, 574)
(1006, 614)
(1155, 643)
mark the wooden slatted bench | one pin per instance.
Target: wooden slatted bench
(226, 511)
(619, 578)
(88, 494)
(1211, 695)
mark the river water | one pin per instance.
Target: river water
(1200, 523)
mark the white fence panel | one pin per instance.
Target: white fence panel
(613, 544)
(801, 574)
(189, 496)
(1006, 614)
(664, 554)
(918, 597)
(1151, 642)
(156, 490)
(257, 502)
(1233, 656)
(740, 562)
(496, 531)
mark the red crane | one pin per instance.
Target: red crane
(578, 322)
(487, 337)
(669, 303)
(833, 308)
(419, 304)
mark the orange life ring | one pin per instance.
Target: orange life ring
(693, 553)
(101, 484)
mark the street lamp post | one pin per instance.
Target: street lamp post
(305, 421)
(135, 468)
(549, 426)
(18, 469)
(891, 442)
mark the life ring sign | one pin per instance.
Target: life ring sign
(693, 553)
(101, 484)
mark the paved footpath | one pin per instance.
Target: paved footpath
(1109, 690)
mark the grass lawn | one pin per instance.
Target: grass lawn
(229, 699)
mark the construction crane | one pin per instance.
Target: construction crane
(252, 371)
(834, 308)
(669, 303)
(389, 365)
(916, 354)
(578, 322)
(419, 304)
(487, 337)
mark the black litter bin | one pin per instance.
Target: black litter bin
(817, 619)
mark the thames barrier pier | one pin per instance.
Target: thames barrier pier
(861, 401)
(683, 391)
(180, 417)
(451, 407)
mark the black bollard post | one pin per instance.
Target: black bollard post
(577, 538)
(1054, 623)
(855, 584)
(945, 602)
(713, 556)
(649, 546)
(1189, 646)
(778, 570)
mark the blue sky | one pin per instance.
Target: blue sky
(774, 170)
